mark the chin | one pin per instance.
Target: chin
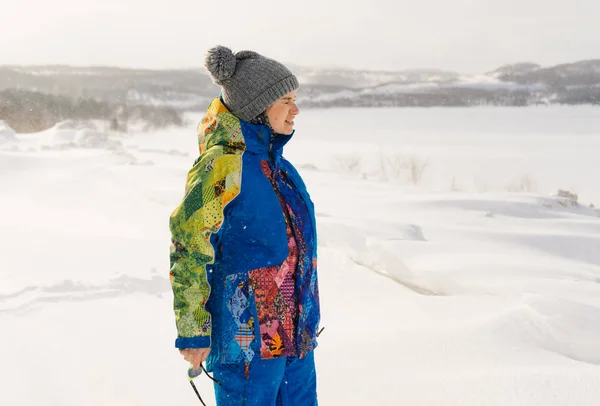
(289, 129)
(286, 131)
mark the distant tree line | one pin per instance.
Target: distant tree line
(29, 111)
(451, 97)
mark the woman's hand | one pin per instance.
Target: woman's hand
(195, 356)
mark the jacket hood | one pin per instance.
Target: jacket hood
(220, 127)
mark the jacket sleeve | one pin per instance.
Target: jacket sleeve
(213, 182)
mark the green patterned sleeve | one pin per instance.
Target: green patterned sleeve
(212, 183)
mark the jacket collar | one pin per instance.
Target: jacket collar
(220, 127)
(261, 139)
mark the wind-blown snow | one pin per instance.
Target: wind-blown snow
(445, 290)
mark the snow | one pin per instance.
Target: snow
(6, 132)
(81, 134)
(475, 284)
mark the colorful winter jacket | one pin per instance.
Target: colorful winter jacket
(229, 229)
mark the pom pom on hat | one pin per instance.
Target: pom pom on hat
(220, 63)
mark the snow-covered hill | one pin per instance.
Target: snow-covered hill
(190, 89)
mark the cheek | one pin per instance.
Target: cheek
(284, 113)
(277, 115)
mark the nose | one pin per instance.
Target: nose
(295, 110)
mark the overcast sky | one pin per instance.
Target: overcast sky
(464, 35)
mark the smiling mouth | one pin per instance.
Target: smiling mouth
(289, 122)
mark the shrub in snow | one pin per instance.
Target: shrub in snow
(400, 167)
(566, 198)
(523, 185)
(416, 168)
(391, 166)
(348, 163)
(395, 167)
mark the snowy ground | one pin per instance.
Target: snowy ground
(449, 273)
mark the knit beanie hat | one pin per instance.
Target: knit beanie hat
(249, 82)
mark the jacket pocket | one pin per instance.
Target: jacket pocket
(238, 318)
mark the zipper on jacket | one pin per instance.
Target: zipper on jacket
(271, 158)
(304, 198)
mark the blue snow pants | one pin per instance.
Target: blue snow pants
(285, 381)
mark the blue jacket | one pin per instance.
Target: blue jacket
(230, 223)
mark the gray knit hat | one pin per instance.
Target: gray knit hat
(249, 82)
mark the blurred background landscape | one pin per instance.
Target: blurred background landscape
(34, 98)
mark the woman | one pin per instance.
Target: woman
(244, 246)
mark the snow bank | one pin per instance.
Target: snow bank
(86, 134)
(6, 132)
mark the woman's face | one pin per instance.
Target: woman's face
(281, 114)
